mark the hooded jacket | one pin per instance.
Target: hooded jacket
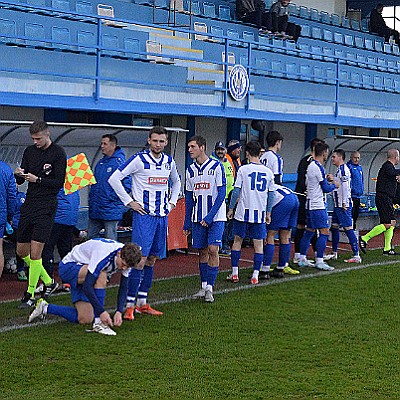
(103, 201)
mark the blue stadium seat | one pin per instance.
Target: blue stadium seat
(306, 72)
(261, 65)
(292, 70)
(277, 42)
(304, 12)
(305, 30)
(344, 78)
(382, 65)
(319, 74)
(268, 4)
(110, 45)
(316, 32)
(387, 48)
(209, 10)
(348, 39)
(378, 46)
(351, 58)
(328, 53)
(388, 84)
(316, 52)
(391, 65)
(62, 5)
(327, 35)
(131, 48)
(345, 22)
(359, 41)
(369, 44)
(164, 4)
(8, 31)
(37, 3)
(338, 37)
(293, 10)
(86, 42)
(335, 19)
(378, 82)
(63, 38)
(395, 49)
(244, 60)
(217, 31)
(249, 36)
(304, 50)
(233, 34)
(355, 24)
(339, 53)
(367, 81)
(331, 76)
(84, 7)
(195, 8)
(325, 17)
(277, 68)
(290, 47)
(224, 12)
(314, 14)
(364, 25)
(396, 85)
(371, 61)
(263, 41)
(361, 60)
(35, 35)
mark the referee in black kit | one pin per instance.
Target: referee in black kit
(43, 166)
(386, 185)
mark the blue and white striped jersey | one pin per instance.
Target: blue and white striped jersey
(98, 254)
(314, 177)
(280, 193)
(274, 162)
(342, 195)
(254, 181)
(203, 181)
(150, 182)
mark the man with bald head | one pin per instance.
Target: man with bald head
(388, 177)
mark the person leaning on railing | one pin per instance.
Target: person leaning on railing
(378, 25)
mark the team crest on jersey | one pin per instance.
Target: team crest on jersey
(47, 168)
(211, 172)
(202, 186)
(109, 169)
(157, 180)
(167, 166)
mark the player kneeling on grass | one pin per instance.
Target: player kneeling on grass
(86, 268)
(283, 219)
(254, 194)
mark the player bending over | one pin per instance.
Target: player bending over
(86, 269)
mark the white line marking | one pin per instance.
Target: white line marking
(227, 290)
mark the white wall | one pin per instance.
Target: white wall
(332, 7)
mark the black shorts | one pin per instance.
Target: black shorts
(36, 221)
(301, 215)
(384, 205)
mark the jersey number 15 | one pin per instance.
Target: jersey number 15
(258, 181)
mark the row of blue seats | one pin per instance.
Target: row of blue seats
(348, 39)
(65, 35)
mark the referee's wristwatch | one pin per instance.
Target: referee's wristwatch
(39, 180)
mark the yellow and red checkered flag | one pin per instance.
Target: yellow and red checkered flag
(79, 174)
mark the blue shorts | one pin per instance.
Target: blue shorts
(317, 219)
(342, 217)
(150, 233)
(203, 237)
(69, 273)
(284, 214)
(251, 230)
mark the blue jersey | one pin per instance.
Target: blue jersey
(150, 182)
(203, 182)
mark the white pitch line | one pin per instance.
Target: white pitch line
(227, 290)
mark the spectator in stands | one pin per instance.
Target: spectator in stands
(220, 155)
(43, 167)
(63, 228)
(278, 20)
(105, 207)
(252, 12)
(386, 184)
(378, 25)
(357, 184)
(8, 196)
